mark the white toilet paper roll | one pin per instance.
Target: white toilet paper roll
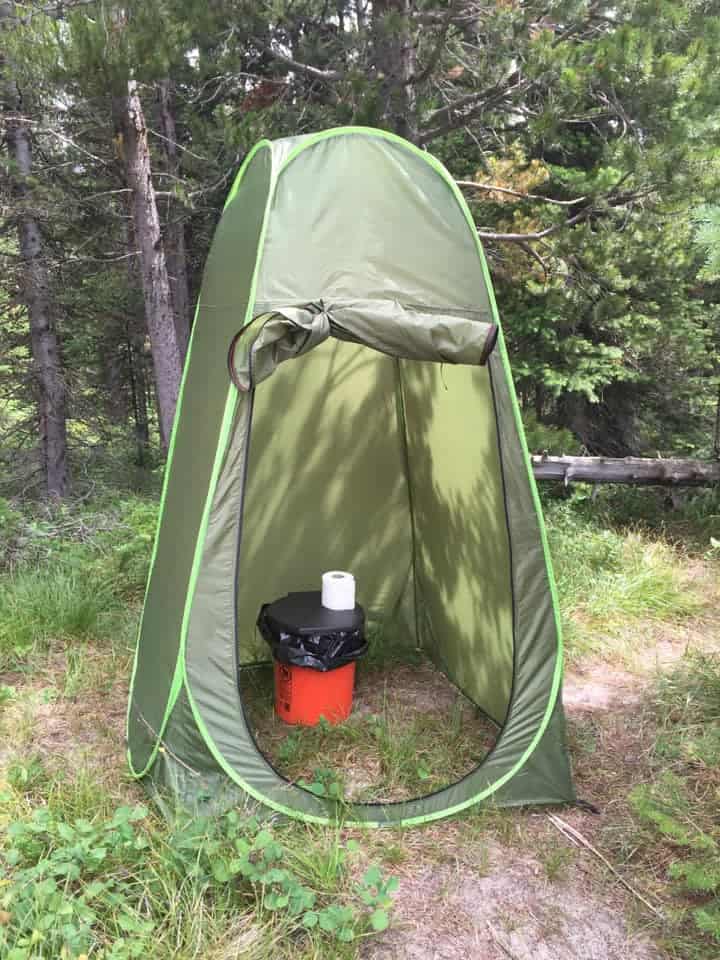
(338, 590)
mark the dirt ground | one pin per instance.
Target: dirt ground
(513, 910)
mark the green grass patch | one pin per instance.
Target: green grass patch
(70, 575)
(687, 518)
(37, 608)
(609, 580)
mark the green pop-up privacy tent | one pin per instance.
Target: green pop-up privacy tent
(389, 444)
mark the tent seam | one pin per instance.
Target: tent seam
(402, 414)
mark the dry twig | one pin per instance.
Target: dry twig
(574, 836)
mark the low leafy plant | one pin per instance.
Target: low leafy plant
(325, 783)
(376, 893)
(27, 775)
(102, 887)
(72, 888)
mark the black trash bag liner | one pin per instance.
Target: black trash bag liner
(303, 633)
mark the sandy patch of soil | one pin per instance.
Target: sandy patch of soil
(583, 691)
(508, 910)
(596, 684)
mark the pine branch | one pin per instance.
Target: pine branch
(491, 188)
(316, 72)
(457, 113)
(523, 238)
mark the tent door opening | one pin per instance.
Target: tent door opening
(371, 420)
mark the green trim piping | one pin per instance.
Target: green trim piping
(557, 673)
(179, 671)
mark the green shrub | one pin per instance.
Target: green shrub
(131, 544)
(542, 437)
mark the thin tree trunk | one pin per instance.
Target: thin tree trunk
(35, 282)
(135, 332)
(138, 391)
(395, 61)
(360, 13)
(114, 370)
(175, 229)
(159, 313)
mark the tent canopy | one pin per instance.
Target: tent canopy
(389, 444)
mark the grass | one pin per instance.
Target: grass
(613, 582)
(70, 577)
(411, 732)
(37, 610)
(685, 518)
(86, 869)
(70, 584)
(654, 770)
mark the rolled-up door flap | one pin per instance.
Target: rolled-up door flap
(383, 325)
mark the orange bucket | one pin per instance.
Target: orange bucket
(303, 695)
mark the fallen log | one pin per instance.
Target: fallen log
(636, 470)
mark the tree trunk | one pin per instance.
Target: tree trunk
(135, 333)
(159, 313)
(175, 228)
(395, 62)
(138, 391)
(36, 293)
(114, 369)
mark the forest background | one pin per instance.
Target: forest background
(584, 135)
